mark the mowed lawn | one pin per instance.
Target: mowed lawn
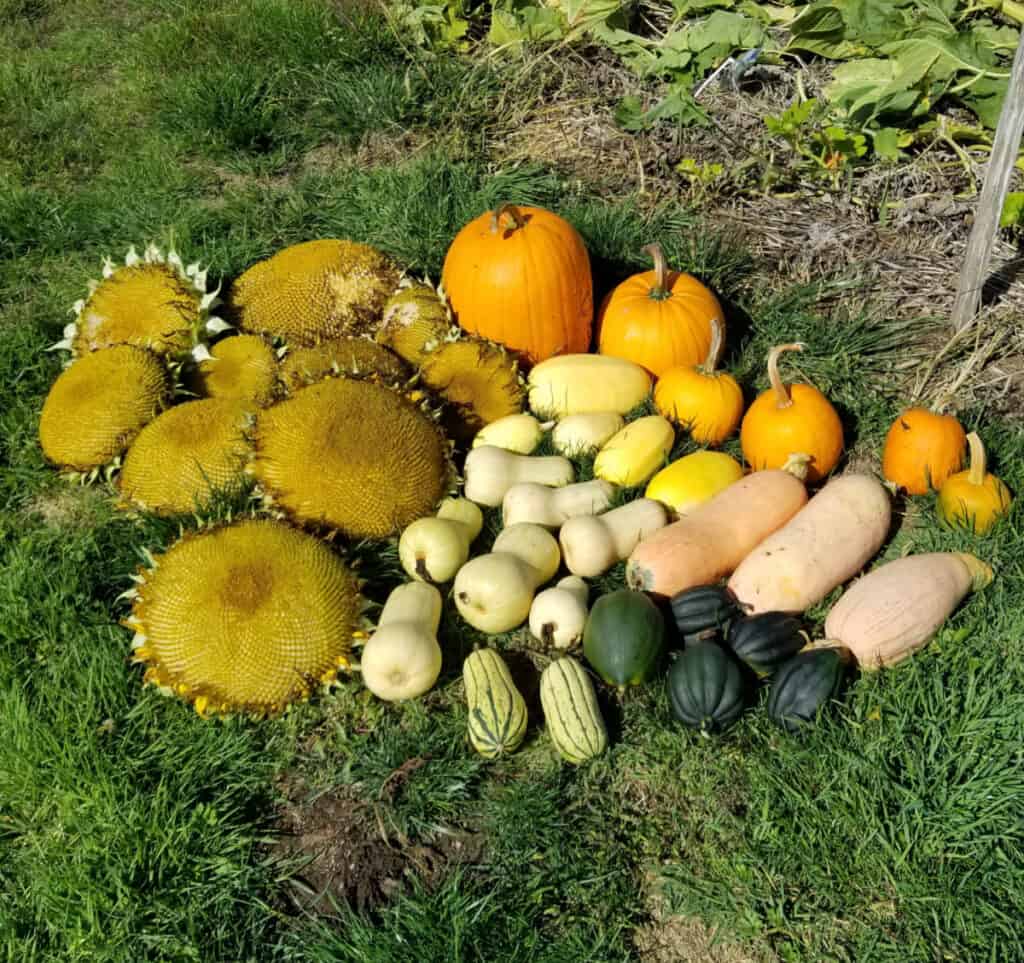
(132, 830)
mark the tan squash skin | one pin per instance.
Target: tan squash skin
(711, 542)
(896, 609)
(825, 543)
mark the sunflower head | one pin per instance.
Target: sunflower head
(416, 321)
(99, 404)
(151, 301)
(242, 367)
(244, 617)
(352, 357)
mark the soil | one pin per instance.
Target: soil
(339, 852)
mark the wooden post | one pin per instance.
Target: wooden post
(1005, 147)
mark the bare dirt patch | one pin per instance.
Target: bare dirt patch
(73, 506)
(675, 939)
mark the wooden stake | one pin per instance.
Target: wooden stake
(1005, 148)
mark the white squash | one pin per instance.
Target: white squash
(552, 507)
(402, 659)
(492, 471)
(579, 384)
(434, 549)
(581, 434)
(493, 592)
(593, 544)
(558, 614)
(516, 433)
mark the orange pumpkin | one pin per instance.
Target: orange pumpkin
(786, 420)
(975, 498)
(658, 319)
(708, 403)
(922, 449)
(521, 276)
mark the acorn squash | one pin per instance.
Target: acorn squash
(704, 609)
(623, 638)
(805, 684)
(766, 640)
(705, 688)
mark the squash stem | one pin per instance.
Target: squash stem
(515, 215)
(797, 464)
(981, 574)
(715, 351)
(660, 290)
(979, 463)
(782, 395)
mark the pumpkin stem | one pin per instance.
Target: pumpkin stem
(979, 463)
(514, 214)
(660, 290)
(715, 351)
(981, 574)
(796, 464)
(782, 395)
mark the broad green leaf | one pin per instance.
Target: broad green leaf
(768, 13)
(1013, 209)
(688, 8)
(985, 100)
(886, 143)
(821, 29)
(583, 15)
(874, 22)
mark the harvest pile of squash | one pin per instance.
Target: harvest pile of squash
(706, 567)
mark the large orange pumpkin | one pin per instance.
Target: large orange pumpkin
(521, 276)
(659, 319)
(791, 419)
(922, 449)
(708, 403)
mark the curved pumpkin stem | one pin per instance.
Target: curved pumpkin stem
(660, 290)
(782, 395)
(979, 462)
(715, 351)
(512, 211)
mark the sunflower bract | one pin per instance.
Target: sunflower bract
(316, 290)
(98, 405)
(242, 367)
(181, 457)
(349, 356)
(351, 455)
(247, 617)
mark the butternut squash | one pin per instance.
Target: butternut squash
(593, 544)
(493, 592)
(711, 541)
(898, 607)
(575, 384)
(520, 434)
(434, 549)
(582, 434)
(635, 453)
(402, 659)
(490, 472)
(552, 507)
(825, 543)
(558, 615)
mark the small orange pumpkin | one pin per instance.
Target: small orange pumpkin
(658, 319)
(975, 498)
(708, 403)
(922, 449)
(521, 276)
(785, 420)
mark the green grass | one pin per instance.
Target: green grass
(132, 830)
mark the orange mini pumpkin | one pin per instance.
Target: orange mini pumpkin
(521, 276)
(659, 319)
(975, 499)
(922, 449)
(708, 403)
(786, 420)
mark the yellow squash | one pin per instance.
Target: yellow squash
(636, 452)
(693, 480)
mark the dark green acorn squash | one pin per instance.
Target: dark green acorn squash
(706, 608)
(705, 687)
(804, 684)
(767, 640)
(623, 637)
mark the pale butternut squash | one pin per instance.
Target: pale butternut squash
(552, 507)
(493, 592)
(593, 544)
(582, 434)
(516, 433)
(434, 549)
(825, 543)
(574, 384)
(898, 607)
(402, 659)
(635, 453)
(711, 541)
(490, 472)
